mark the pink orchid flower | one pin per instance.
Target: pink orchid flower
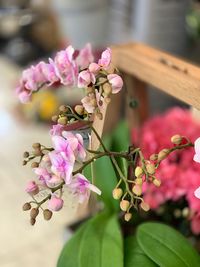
(116, 82)
(43, 174)
(94, 68)
(32, 188)
(81, 187)
(85, 78)
(79, 151)
(85, 57)
(56, 129)
(197, 150)
(49, 71)
(55, 203)
(105, 59)
(65, 66)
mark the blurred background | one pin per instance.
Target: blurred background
(31, 30)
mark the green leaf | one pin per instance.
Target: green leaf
(166, 247)
(68, 256)
(134, 255)
(101, 245)
(121, 137)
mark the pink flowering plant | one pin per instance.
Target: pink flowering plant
(63, 167)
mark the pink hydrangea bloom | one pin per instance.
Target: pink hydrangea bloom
(55, 203)
(85, 57)
(105, 59)
(81, 187)
(32, 188)
(116, 82)
(65, 66)
(85, 78)
(179, 174)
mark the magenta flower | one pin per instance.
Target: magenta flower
(55, 203)
(85, 57)
(32, 188)
(85, 78)
(116, 82)
(105, 59)
(65, 66)
(57, 129)
(79, 150)
(81, 187)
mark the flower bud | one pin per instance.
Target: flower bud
(34, 213)
(90, 90)
(163, 154)
(107, 100)
(107, 89)
(63, 108)
(32, 221)
(124, 205)
(47, 214)
(79, 109)
(156, 182)
(144, 206)
(62, 120)
(185, 212)
(54, 118)
(55, 203)
(26, 154)
(176, 139)
(32, 188)
(36, 146)
(150, 168)
(24, 162)
(127, 216)
(138, 171)
(26, 206)
(137, 190)
(154, 157)
(99, 115)
(34, 165)
(138, 181)
(117, 193)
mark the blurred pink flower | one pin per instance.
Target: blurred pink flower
(179, 174)
(94, 68)
(85, 78)
(85, 57)
(116, 82)
(49, 71)
(81, 187)
(55, 203)
(105, 59)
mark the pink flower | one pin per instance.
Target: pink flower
(55, 203)
(116, 82)
(79, 150)
(94, 68)
(197, 150)
(89, 107)
(49, 71)
(61, 167)
(85, 78)
(32, 188)
(43, 174)
(65, 66)
(81, 187)
(105, 59)
(57, 129)
(85, 57)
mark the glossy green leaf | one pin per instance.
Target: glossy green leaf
(69, 253)
(166, 247)
(134, 255)
(101, 245)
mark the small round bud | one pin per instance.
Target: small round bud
(144, 206)
(26, 154)
(176, 139)
(37, 152)
(127, 216)
(163, 154)
(32, 221)
(138, 171)
(63, 108)
(107, 100)
(79, 109)
(107, 89)
(54, 118)
(36, 146)
(62, 120)
(26, 206)
(185, 212)
(34, 165)
(117, 193)
(34, 213)
(156, 182)
(99, 115)
(124, 205)
(47, 214)
(150, 168)
(137, 190)
(138, 181)
(24, 162)
(154, 157)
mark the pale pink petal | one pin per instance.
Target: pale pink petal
(197, 193)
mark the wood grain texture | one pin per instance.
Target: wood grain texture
(174, 76)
